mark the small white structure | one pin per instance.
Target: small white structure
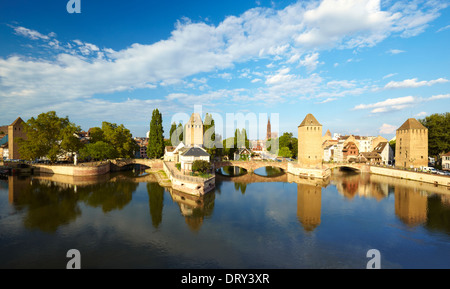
(172, 154)
(191, 154)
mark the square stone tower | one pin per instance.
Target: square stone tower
(411, 145)
(15, 131)
(310, 152)
(194, 131)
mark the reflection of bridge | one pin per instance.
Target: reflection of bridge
(253, 178)
(354, 166)
(250, 166)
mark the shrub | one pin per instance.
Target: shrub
(200, 166)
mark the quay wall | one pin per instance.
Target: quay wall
(192, 185)
(297, 170)
(76, 171)
(409, 175)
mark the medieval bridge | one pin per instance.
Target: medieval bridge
(250, 166)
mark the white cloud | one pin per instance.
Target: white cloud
(31, 34)
(399, 103)
(412, 83)
(421, 114)
(388, 105)
(395, 51)
(443, 28)
(310, 61)
(389, 75)
(280, 77)
(387, 129)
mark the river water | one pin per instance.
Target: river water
(268, 220)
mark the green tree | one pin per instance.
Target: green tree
(98, 151)
(438, 126)
(155, 147)
(285, 152)
(120, 138)
(48, 136)
(200, 166)
(288, 141)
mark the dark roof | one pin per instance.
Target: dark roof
(195, 152)
(411, 123)
(370, 155)
(310, 120)
(17, 121)
(380, 147)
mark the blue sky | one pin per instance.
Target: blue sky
(359, 66)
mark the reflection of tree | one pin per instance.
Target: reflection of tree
(110, 196)
(240, 186)
(48, 205)
(156, 202)
(438, 214)
(233, 171)
(273, 171)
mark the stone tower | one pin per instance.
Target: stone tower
(194, 131)
(269, 130)
(411, 146)
(15, 131)
(310, 151)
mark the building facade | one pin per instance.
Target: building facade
(446, 161)
(310, 152)
(411, 147)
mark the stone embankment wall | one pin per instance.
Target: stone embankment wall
(298, 170)
(192, 185)
(409, 175)
(76, 171)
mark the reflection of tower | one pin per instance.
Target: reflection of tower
(269, 130)
(17, 186)
(410, 206)
(309, 202)
(194, 208)
(310, 150)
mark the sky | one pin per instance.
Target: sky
(359, 66)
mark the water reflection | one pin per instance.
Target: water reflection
(51, 201)
(309, 204)
(194, 209)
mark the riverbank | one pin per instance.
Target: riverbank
(409, 175)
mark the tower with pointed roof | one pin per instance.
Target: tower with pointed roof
(194, 131)
(15, 131)
(411, 146)
(310, 151)
(269, 130)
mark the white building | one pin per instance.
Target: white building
(446, 161)
(191, 154)
(386, 153)
(328, 153)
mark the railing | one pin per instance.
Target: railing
(184, 177)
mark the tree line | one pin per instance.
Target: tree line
(51, 137)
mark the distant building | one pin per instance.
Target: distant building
(411, 147)
(446, 161)
(385, 151)
(310, 152)
(269, 130)
(194, 131)
(372, 158)
(328, 153)
(350, 152)
(242, 154)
